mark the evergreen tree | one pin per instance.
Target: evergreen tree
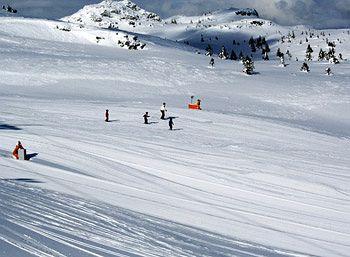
(265, 47)
(305, 67)
(233, 55)
(279, 53)
(248, 66)
(259, 42)
(223, 54)
(251, 43)
(241, 56)
(252, 48)
(334, 60)
(321, 55)
(309, 52)
(212, 62)
(265, 54)
(283, 64)
(293, 35)
(209, 50)
(289, 55)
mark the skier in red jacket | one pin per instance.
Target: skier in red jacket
(15, 151)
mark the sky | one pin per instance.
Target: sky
(317, 13)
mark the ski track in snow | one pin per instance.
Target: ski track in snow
(36, 222)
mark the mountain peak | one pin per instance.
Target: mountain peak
(113, 14)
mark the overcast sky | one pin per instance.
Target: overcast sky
(318, 13)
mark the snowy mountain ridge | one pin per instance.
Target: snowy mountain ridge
(236, 23)
(122, 14)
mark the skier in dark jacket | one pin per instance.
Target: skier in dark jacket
(107, 116)
(145, 118)
(162, 111)
(171, 123)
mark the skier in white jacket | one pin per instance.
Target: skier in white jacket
(162, 111)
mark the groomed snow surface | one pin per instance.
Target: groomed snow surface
(262, 170)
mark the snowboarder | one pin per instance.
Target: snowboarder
(171, 123)
(212, 62)
(15, 151)
(145, 118)
(107, 116)
(162, 111)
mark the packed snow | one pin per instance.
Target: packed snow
(261, 170)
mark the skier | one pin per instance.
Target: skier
(171, 123)
(15, 151)
(212, 62)
(162, 111)
(107, 116)
(145, 118)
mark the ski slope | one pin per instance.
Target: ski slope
(263, 170)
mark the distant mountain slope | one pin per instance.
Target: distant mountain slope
(216, 28)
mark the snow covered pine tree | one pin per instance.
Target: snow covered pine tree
(309, 51)
(305, 67)
(248, 65)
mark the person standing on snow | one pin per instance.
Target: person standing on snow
(145, 118)
(107, 116)
(171, 123)
(162, 111)
(15, 151)
(199, 104)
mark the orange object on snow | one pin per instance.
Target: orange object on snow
(15, 151)
(194, 107)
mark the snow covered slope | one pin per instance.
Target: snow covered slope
(263, 170)
(36, 29)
